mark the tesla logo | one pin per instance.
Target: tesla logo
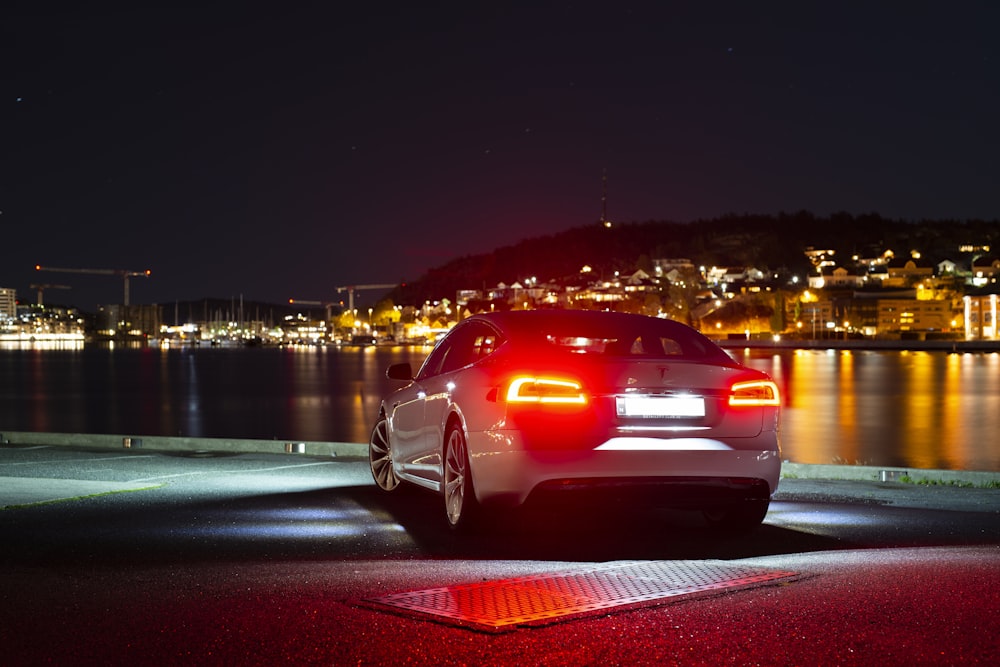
(663, 373)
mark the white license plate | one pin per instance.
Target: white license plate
(661, 406)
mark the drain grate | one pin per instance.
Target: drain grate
(551, 597)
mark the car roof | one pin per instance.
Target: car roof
(527, 320)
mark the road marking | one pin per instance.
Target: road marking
(232, 472)
(76, 460)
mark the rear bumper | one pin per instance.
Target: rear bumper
(678, 471)
(674, 492)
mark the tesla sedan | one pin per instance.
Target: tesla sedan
(541, 405)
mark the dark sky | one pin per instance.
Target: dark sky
(284, 151)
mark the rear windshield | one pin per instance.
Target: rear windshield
(647, 338)
(648, 346)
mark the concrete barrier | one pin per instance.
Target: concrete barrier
(160, 443)
(353, 449)
(888, 474)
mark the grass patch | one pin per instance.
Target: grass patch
(923, 481)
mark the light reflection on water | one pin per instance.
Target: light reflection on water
(889, 408)
(296, 393)
(913, 409)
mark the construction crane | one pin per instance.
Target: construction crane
(350, 297)
(41, 290)
(328, 305)
(122, 273)
(350, 291)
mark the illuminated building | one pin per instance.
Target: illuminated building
(8, 304)
(981, 316)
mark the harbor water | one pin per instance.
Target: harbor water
(918, 409)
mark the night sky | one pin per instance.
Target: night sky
(281, 152)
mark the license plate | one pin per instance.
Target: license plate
(661, 406)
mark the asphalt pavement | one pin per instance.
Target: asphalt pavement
(923, 599)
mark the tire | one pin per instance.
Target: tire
(460, 505)
(380, 456)
(738, 518)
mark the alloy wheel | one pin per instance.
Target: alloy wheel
(380, 457)
(455, 472)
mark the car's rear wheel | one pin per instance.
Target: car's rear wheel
(739, 517)
(461, 507)
(380, 456)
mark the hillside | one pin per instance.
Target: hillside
(770, 243)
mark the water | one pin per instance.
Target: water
(882, 408)
(296, 393)
(888, 408)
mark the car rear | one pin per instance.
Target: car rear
(621, 411)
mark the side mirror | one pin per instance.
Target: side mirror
(400, 372)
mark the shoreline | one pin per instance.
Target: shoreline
(951, 346)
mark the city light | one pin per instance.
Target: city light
(872, 296)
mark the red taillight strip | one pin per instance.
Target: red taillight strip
(545, 390)
(754, 393)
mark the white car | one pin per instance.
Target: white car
(523, 406)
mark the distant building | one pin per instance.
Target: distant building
(599, 293)
(662, 267)
(116, 321)
(913, 315)
(837, 277)
(985, 270)
(640, 281)
(981, 316)
(947, 267)
(878, 273)
(876, 313)
(8, 303)
(464, 296)
(906, 272)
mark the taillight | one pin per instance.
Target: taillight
(545, 390)
(754, 393)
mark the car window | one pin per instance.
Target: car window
(645, 345)
(432, 364)
(473, 342)
(660, 340)
(461, 352)
(463, 346)
(581, 344)
(485, 344)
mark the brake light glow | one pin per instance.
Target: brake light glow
(754, 393)
(545, 390)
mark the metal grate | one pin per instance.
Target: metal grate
(551, 597)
